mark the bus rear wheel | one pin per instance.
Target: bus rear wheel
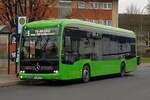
(86, 74)
(123, 70)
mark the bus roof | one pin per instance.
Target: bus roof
(56, 22)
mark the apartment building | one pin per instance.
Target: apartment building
(140, 24)
(98, 11)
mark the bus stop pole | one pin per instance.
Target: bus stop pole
(17, 13)
(16, 49)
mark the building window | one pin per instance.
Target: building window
(88, 20)
(81, 4)
(65, 3)
(106, 22)
(92, 20)
(107, 6)
(100, 21)
(93, 5)
(97, 21)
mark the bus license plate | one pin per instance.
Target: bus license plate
(37, 78)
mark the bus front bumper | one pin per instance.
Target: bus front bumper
(28, 76)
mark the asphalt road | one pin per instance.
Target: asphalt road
(135, 86)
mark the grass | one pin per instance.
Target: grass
(145, 60)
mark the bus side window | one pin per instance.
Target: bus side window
(67, 43)
(106, 47)
(114, 47)
(70, 47)
(132, 48)
(97, 47)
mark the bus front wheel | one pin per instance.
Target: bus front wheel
(86, 74)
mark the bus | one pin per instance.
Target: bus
(65, 49)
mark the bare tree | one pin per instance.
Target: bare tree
(148, 7)
(33, 9)
(132, 9)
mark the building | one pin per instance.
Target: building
(140, 24)
(98, 11)
(6, 66)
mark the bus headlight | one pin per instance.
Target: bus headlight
(55, 71)
(21, 77)
(22, 71)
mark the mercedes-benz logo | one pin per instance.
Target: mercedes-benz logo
(37, 67)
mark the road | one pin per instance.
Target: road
(135, 86)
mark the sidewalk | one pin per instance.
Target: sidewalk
(5, 79)
(145, 65)
(8, 80)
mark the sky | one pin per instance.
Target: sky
(123, 4)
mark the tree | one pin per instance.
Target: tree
(132, 9)
(33, 9)
(148, 7)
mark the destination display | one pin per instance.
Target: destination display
(39, 32)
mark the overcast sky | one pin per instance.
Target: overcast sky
(123, 4)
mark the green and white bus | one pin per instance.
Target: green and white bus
(65, 49)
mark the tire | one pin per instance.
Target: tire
(86, 74)
(123, 70)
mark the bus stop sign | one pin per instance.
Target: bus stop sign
(21, 21)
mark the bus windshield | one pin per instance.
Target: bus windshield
(40, 44)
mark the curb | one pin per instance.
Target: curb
(11, 83)
(20, 82)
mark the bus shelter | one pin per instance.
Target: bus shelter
(7, 66)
